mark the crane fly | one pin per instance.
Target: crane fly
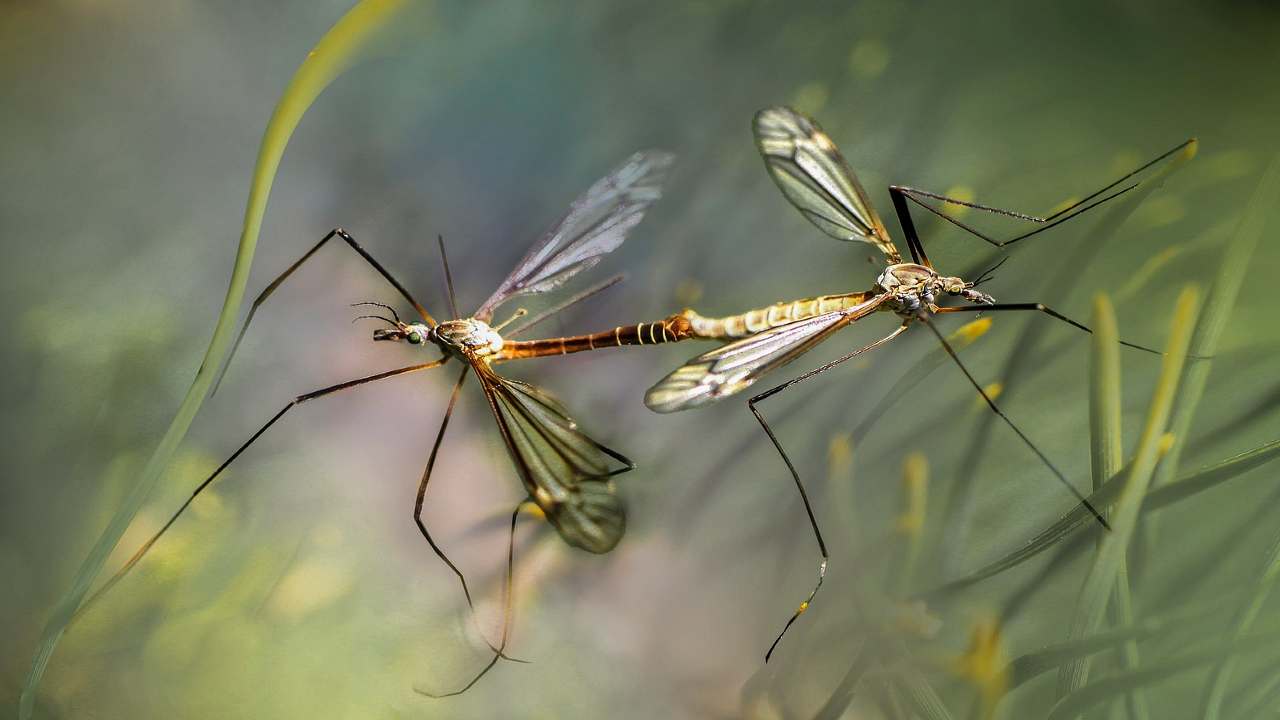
(567, 474)
(811, 173)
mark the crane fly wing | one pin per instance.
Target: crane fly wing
(733, 367)
(596, 224)
(808, 168)
(729, 369)
(565, 472)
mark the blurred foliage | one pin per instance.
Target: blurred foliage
(300, 586)
(365, 26)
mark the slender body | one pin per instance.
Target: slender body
(773, 336)
(688, 324)
(567, 474)
(754, 321)
(671, 329)
(809, 170)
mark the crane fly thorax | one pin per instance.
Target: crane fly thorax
(467, 337)
(910, 287)
(913, 288)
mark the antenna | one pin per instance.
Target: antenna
(448, 278)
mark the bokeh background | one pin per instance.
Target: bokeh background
(299, 587)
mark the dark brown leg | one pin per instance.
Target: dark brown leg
(506, 615)
(1000, 413)
(323, 392)
(271, 288)
(804, 496)
(901, 194)
(1037, 307)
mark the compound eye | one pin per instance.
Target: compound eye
(413, 337)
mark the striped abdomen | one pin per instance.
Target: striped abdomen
(761, 319)
(671, 329)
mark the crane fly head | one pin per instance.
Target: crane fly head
(412, 333)
(962, 288)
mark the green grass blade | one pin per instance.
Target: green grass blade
(1212, 476)
(1034, 664)
(1256, 694)
(1099, 583)
(959, 505)
(842, 697)
(922, 698)
(1105, 690)
(1186, 487)
(1216, 686)
(1106, 459)
(345, 43)
(1106, 449)
(1219, 305)
(1130, 657)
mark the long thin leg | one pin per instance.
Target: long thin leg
(996, 409)
(506, 614)
(426, 478)
(627, 463)
(271, 288)
(322, 392)
(901, 194)
(420, 500)
(1037, 307)
(899, 198)
(804, 496)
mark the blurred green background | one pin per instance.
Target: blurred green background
(299, 587)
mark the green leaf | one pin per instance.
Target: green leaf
(1212, 476)
(922, 697)
(1104, 690)
(1079, 517)
(1219, 305)
(348, 41)
(842, 696)
(1106, 447)
(1099, 583)
(1216, 686)
(1033, 664)
(1107, 452)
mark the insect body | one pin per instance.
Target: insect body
(566, 474)
(809, 170)
(912, 289)
(467, 338)
(774, 335)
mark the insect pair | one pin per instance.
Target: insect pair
(567, 474)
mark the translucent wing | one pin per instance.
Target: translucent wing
(733, 367)
(596, 224)
(565, 472)
(809, 170)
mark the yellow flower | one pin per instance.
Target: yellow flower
(984, 663)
